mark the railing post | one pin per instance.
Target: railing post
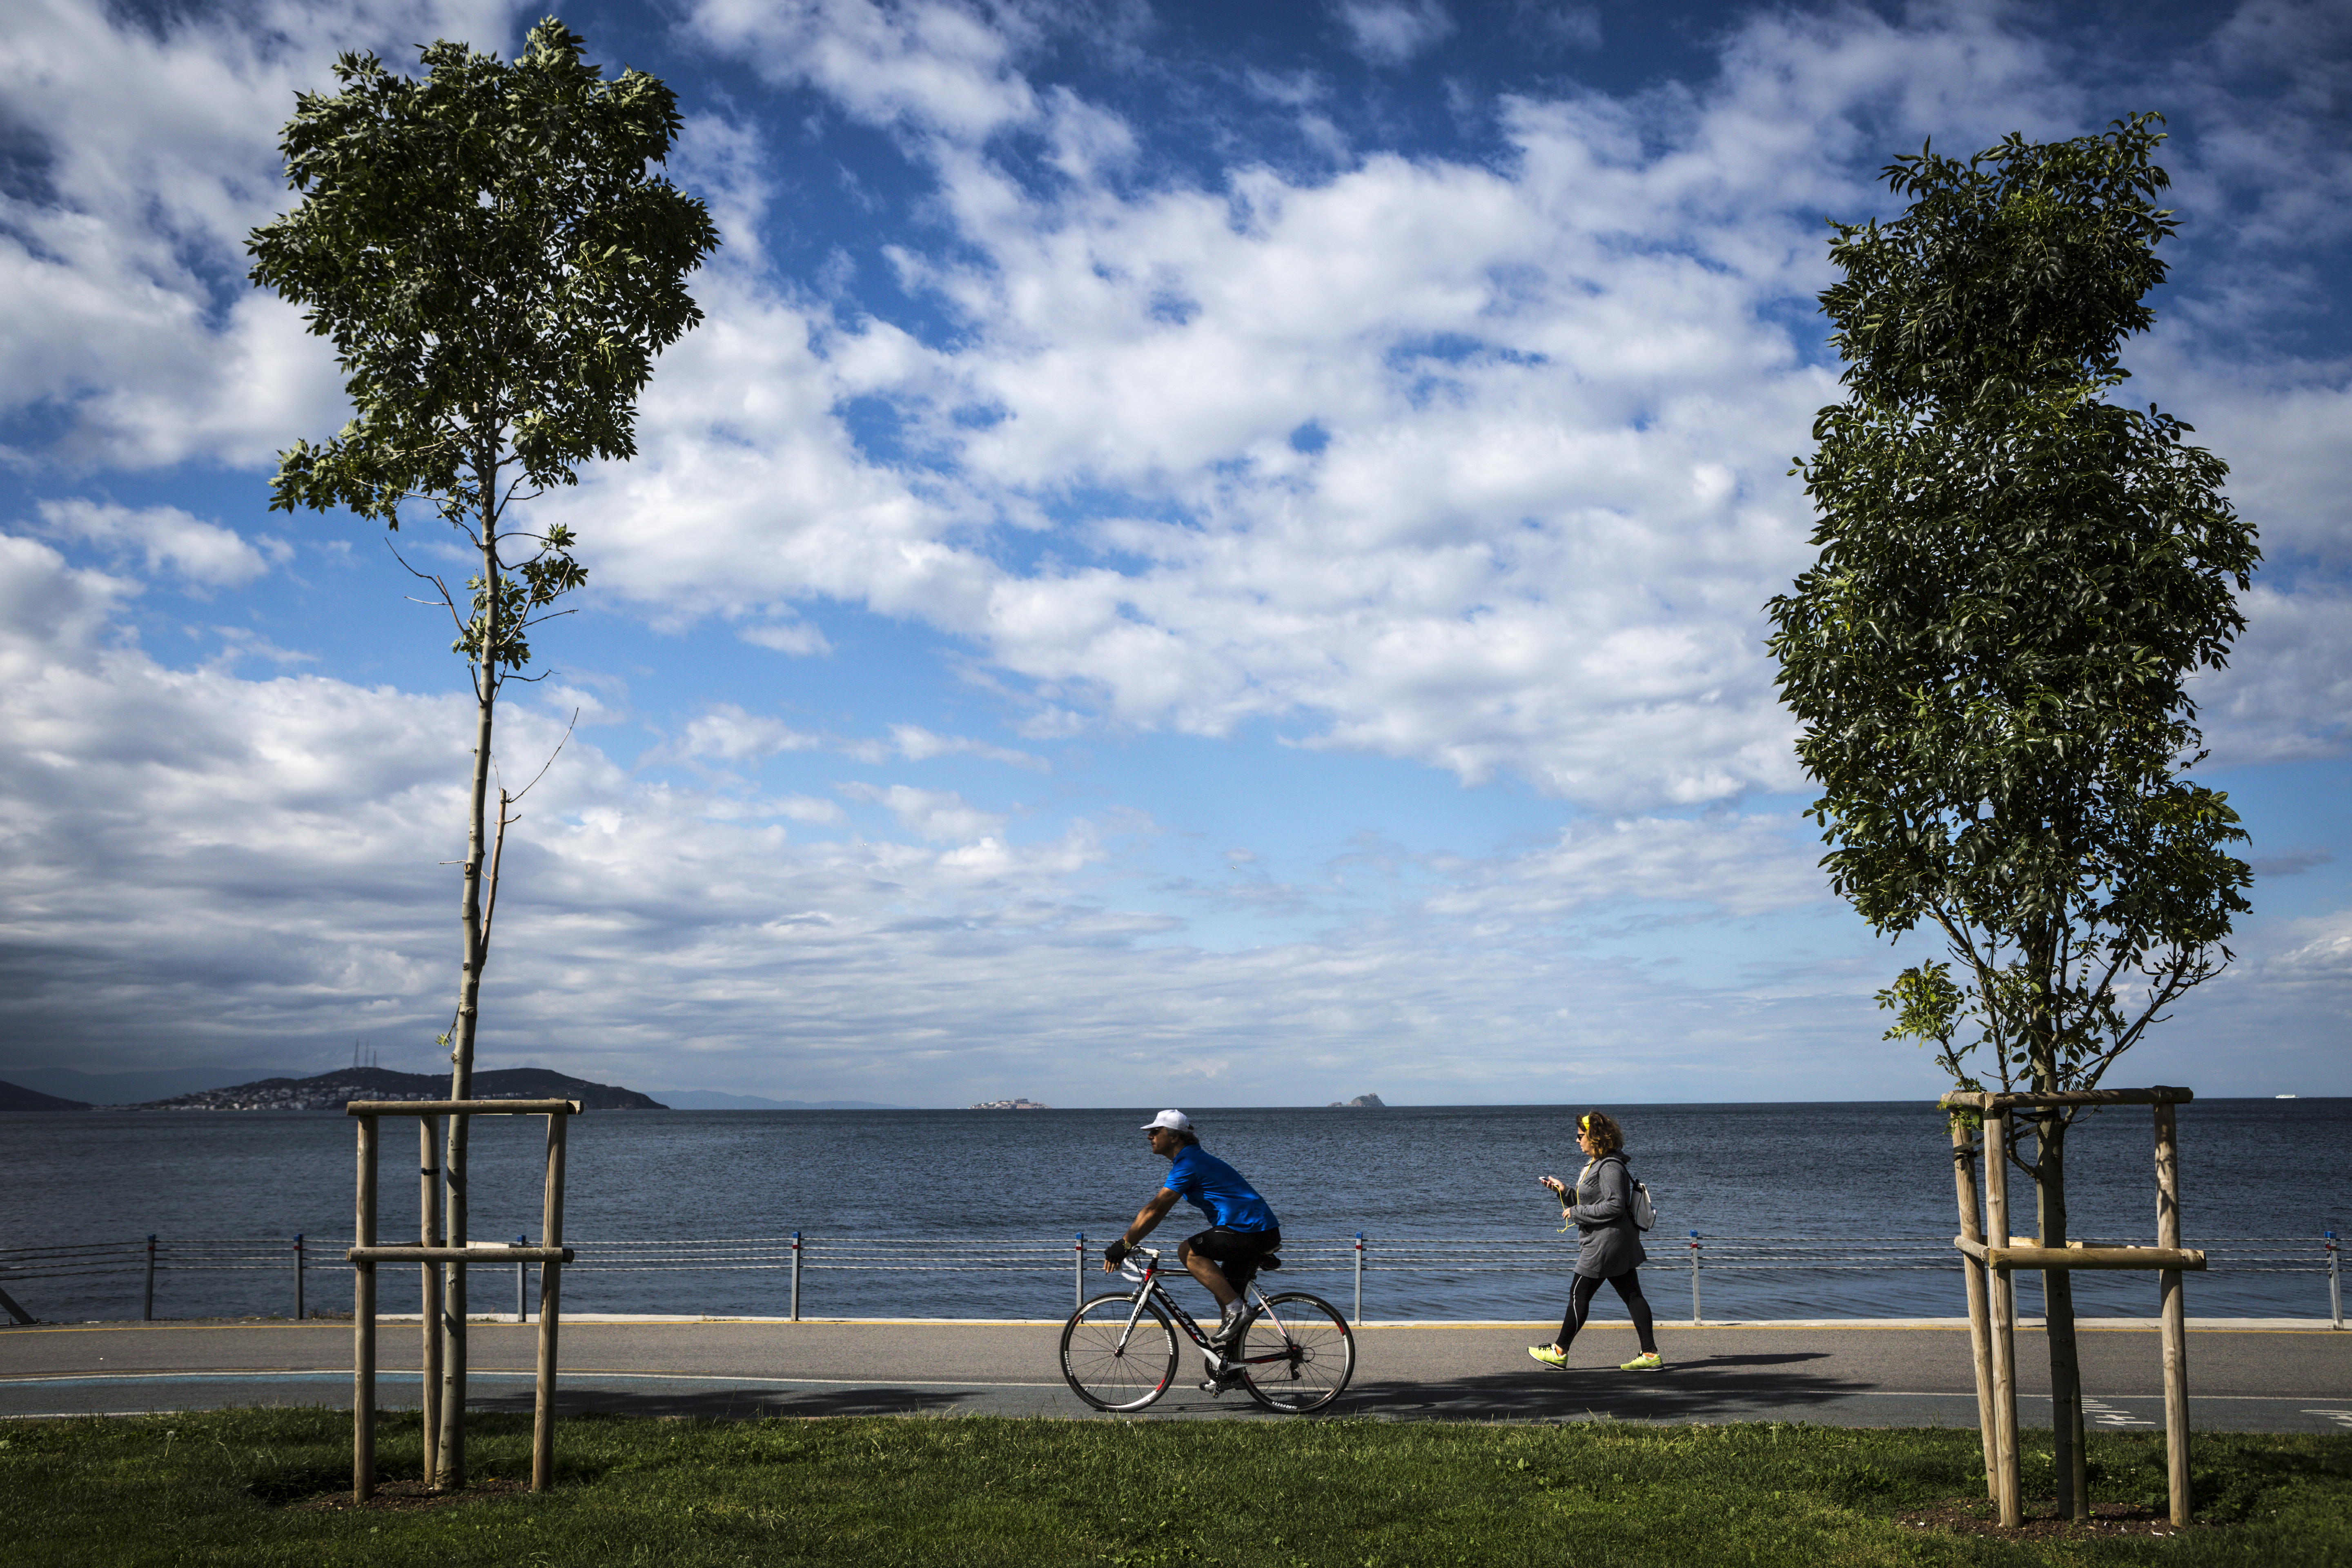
(2335, 1284)
(300, 1313)
(1694, 1252)
(1078, 1274)
(147, 1313)
(523, 1314)
(796, 1276)
(1360, 1278)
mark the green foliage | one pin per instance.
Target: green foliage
(241, 1487)
(2016, 580)
(490, 258)
(497, 268)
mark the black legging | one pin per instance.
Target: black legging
(1629, 1289)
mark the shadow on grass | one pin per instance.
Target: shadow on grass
(742, 1404)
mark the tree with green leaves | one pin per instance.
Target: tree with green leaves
(497, 262)
(1990, 656)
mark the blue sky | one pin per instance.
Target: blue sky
(1203, 554)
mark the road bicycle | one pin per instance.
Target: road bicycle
(1294, 1355)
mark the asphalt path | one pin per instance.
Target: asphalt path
(2269, 1380)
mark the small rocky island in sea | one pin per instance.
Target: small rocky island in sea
(1361, 1102)
(331, 1090)
(1013, 1105)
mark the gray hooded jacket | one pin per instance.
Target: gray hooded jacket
(1609, 1242)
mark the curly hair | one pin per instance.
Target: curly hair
(1608, 1138)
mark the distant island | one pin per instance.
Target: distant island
(720, 1100)
(16, 1097)
(1361, 1102)
(332, 1090)
(1011, 1105)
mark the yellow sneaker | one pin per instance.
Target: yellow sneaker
(1549, 1356)
(1647, 1361)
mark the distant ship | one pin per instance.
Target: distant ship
(2286, 1097)
(1011, 1105)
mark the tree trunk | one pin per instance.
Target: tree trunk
(452, 1475)
(2068, 1461)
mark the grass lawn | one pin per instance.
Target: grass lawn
(259, 1487)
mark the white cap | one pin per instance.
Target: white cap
(1174, 1120)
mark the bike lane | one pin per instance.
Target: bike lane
(2279, 1380)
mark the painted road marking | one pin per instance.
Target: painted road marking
(477, 1375)
(2108, 1416)
(2341, 1417)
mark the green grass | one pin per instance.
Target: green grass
(229, 1487)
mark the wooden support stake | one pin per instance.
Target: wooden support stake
(550, 1234)
(2174, 1314)
(363, 1324)
(2002, 1290)
(428, 1234)
(1964, 1186)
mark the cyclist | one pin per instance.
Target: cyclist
(1242, 1225)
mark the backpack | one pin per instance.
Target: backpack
(1644, 1212)
(1638, 1206)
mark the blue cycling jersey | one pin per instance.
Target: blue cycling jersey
(1219, 1191)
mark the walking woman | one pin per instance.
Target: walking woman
(1610, 1244)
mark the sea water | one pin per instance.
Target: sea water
(970, 1182)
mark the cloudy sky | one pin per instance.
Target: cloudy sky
(1206, 554)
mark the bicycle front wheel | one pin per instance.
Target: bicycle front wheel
(1112, 1367)
(1297, 1355)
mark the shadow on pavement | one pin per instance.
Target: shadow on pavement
(1718, 1389)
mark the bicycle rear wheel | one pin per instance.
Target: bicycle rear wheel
(1108, 1366)
(1297, 1355)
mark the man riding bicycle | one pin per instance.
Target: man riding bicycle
(1242, 1225)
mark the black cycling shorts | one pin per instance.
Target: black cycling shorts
(1228, 1245)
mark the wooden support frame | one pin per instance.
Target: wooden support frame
(1993, 1315)
(365, 1254)
(1964, 1186)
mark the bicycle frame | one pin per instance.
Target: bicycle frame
(1147, 1277)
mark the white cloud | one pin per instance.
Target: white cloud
(1477, 465)
(918, 745)
(937, 67)
(729, 734)
(202, 553)
(49, 613)
(128, 305)
(214, 867)
(2288, 691)
(939, 815)
(1391, 32)
(797, 638)
(1475, 461)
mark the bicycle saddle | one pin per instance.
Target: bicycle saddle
(1268, 1264)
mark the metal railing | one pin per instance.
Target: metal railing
(1435, 1261)
(201, 1255)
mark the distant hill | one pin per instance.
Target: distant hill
(139, 1084)
(716, 1099)
(1361, 1102)
(332, 1090)
(16, 1097)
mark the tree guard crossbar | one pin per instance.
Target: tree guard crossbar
(2076, 1254)
(1992, 1291)
(433, 1258)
